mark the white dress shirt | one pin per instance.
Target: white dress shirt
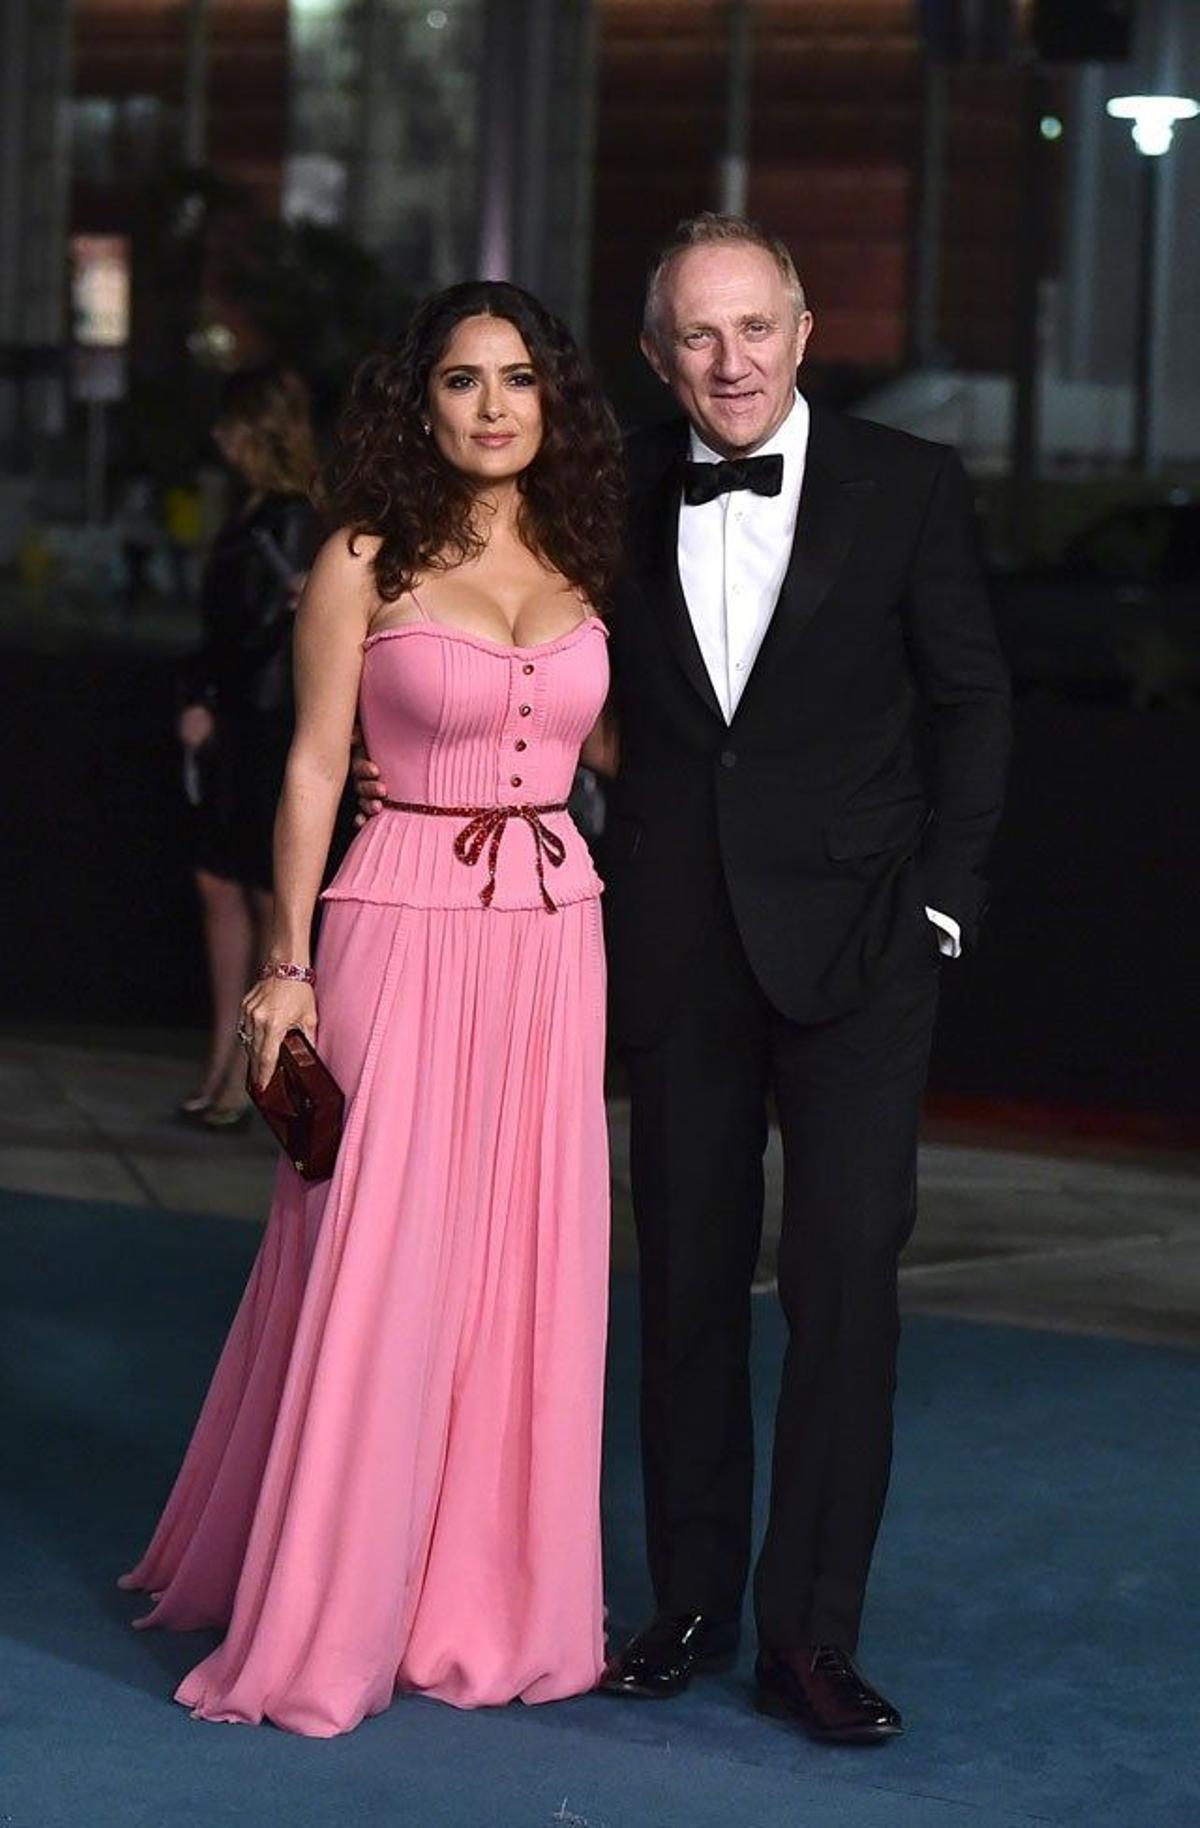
(733, 553)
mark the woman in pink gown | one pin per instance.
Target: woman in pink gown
(394, 1480)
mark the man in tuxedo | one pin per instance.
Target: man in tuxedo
(813, 725)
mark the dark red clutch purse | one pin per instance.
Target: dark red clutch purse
(303, 1105)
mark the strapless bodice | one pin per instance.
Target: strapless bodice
(453, 719)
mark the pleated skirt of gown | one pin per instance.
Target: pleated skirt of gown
(394, 1480)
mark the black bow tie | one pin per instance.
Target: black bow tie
(705, 481)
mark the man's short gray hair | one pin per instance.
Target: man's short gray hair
(709, 229)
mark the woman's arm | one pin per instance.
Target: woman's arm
(197, 674)
(331, 623)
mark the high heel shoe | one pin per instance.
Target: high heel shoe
(226, 1116)
(193, 1110)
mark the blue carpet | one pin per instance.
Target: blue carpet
(1032, 1609)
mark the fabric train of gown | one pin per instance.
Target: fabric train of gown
(394, 1479)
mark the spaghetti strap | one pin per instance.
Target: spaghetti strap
(422, 613)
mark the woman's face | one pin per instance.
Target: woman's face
(234, 443)
(485, 407)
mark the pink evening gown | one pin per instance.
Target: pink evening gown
(393, 1483)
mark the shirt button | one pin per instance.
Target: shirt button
(524, 710)
(728, 758)
(514, 780)
(520, 743)
(527, 668)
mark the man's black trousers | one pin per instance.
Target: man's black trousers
(847, 1093)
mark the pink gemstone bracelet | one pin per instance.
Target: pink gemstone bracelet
(299, 974)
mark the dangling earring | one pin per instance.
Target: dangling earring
(426, 427)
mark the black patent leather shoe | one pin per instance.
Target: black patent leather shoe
(661, 1660)
(818, 1689)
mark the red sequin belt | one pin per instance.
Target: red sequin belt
(485, 828)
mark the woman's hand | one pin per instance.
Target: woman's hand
(369, 791)
(273, 1006)
(196, 725)
(601, 750)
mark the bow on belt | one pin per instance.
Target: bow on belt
(485, 829)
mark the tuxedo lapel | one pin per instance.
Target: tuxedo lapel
(655, 539)
(832, 502)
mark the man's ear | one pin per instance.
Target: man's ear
(653, 355)
(804, 326)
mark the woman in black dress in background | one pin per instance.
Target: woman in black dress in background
(236, 723)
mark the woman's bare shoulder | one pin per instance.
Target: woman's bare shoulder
(346, 563)
(341, 595)
(349, 549)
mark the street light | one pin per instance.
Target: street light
(1154, 119)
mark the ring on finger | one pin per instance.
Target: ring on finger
(243, 1035)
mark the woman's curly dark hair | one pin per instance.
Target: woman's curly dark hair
(386, 476)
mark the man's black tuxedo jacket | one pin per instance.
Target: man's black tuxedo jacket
(862, 774)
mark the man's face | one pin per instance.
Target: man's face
(728, 343)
